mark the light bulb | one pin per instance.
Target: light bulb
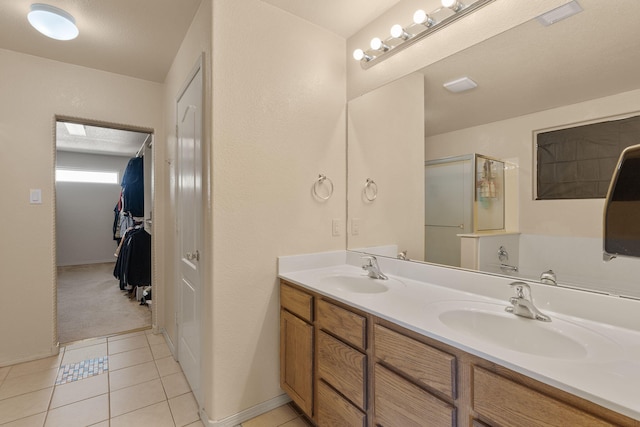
(421, 17)
(376, 43)
(358, 54)
(399, 33)
(454, 5)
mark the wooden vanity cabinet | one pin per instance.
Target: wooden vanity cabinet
(344, 367)
(297, 346)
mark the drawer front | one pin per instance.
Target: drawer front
(296, 301)
(403, 404)
(334, 410)
(511, 404)
(424, 364)
(342, 367)
(342, 323)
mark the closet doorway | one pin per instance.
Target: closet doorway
(103, 229)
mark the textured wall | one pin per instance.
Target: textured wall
(32, 92)
(278, 122)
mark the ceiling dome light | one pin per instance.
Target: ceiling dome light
(53, 22)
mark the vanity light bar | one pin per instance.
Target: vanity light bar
(423, 24)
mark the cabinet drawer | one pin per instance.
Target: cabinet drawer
(296, 301)
(334, 410)
(342, 323)
(401, 403)
(511, 404)
(342, 367)
(426, 365)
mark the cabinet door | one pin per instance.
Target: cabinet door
(296, 360)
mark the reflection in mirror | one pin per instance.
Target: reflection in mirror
(532, 78)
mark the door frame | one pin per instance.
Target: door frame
(112, 125)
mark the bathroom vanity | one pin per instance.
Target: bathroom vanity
(357, 351)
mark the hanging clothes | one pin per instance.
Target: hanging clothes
(133, 266)
(133, 187)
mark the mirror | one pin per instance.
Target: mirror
(584, 69)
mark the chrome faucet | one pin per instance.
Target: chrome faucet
(372, 268)
(403, 256)
(548, 278)
(522, 303)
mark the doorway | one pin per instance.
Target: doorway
(102, 231)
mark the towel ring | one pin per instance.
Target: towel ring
(370, 190)
(318, 183)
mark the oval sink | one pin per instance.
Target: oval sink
(357, 284)
(490, 323)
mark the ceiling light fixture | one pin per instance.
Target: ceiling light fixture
(423, 24)
(460, 85)
(52, 22)
(559, 13)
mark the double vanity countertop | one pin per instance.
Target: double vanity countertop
(591, 347)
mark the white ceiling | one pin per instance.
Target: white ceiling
(100, 140)
(137, 38)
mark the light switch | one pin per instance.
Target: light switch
(35, 196)
(335, 227)
(355, 226)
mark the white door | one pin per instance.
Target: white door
(189, 228)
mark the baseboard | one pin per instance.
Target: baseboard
(170, 344)
(247, 414)
(54, 351)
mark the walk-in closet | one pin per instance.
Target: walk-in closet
(103, 230)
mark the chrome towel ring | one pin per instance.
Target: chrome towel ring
(370, 190)
(319, 183)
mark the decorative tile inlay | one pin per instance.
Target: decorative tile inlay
(84, 369)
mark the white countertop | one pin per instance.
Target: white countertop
(608, 374)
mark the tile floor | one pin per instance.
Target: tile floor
(125, 380)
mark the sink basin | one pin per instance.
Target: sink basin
(490, 323)
(357, 284)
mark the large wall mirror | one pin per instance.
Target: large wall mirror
(532, 78)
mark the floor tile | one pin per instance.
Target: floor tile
(130, 358)
(184, 409)
(175, 385)
(27, 383)
(102, 424)
(297, 422)
(85, 343)
(167, 366)
(24, 405)
(155, 339)
(84, 353)
(34, 366)
(136, 397)
(83, 413)
(276, 417)
(3, 373)
(80, 390)
(160, 350)
(127, 335)
(157, 415)
(198, 423)
(127, 344)
(36, 420)
(132, 375)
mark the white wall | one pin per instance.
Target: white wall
(84, 211)
(385, 134)
(32, 92)
(278, 122)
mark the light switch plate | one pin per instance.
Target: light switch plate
(35, 196)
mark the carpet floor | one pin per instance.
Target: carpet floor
(91, 304)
